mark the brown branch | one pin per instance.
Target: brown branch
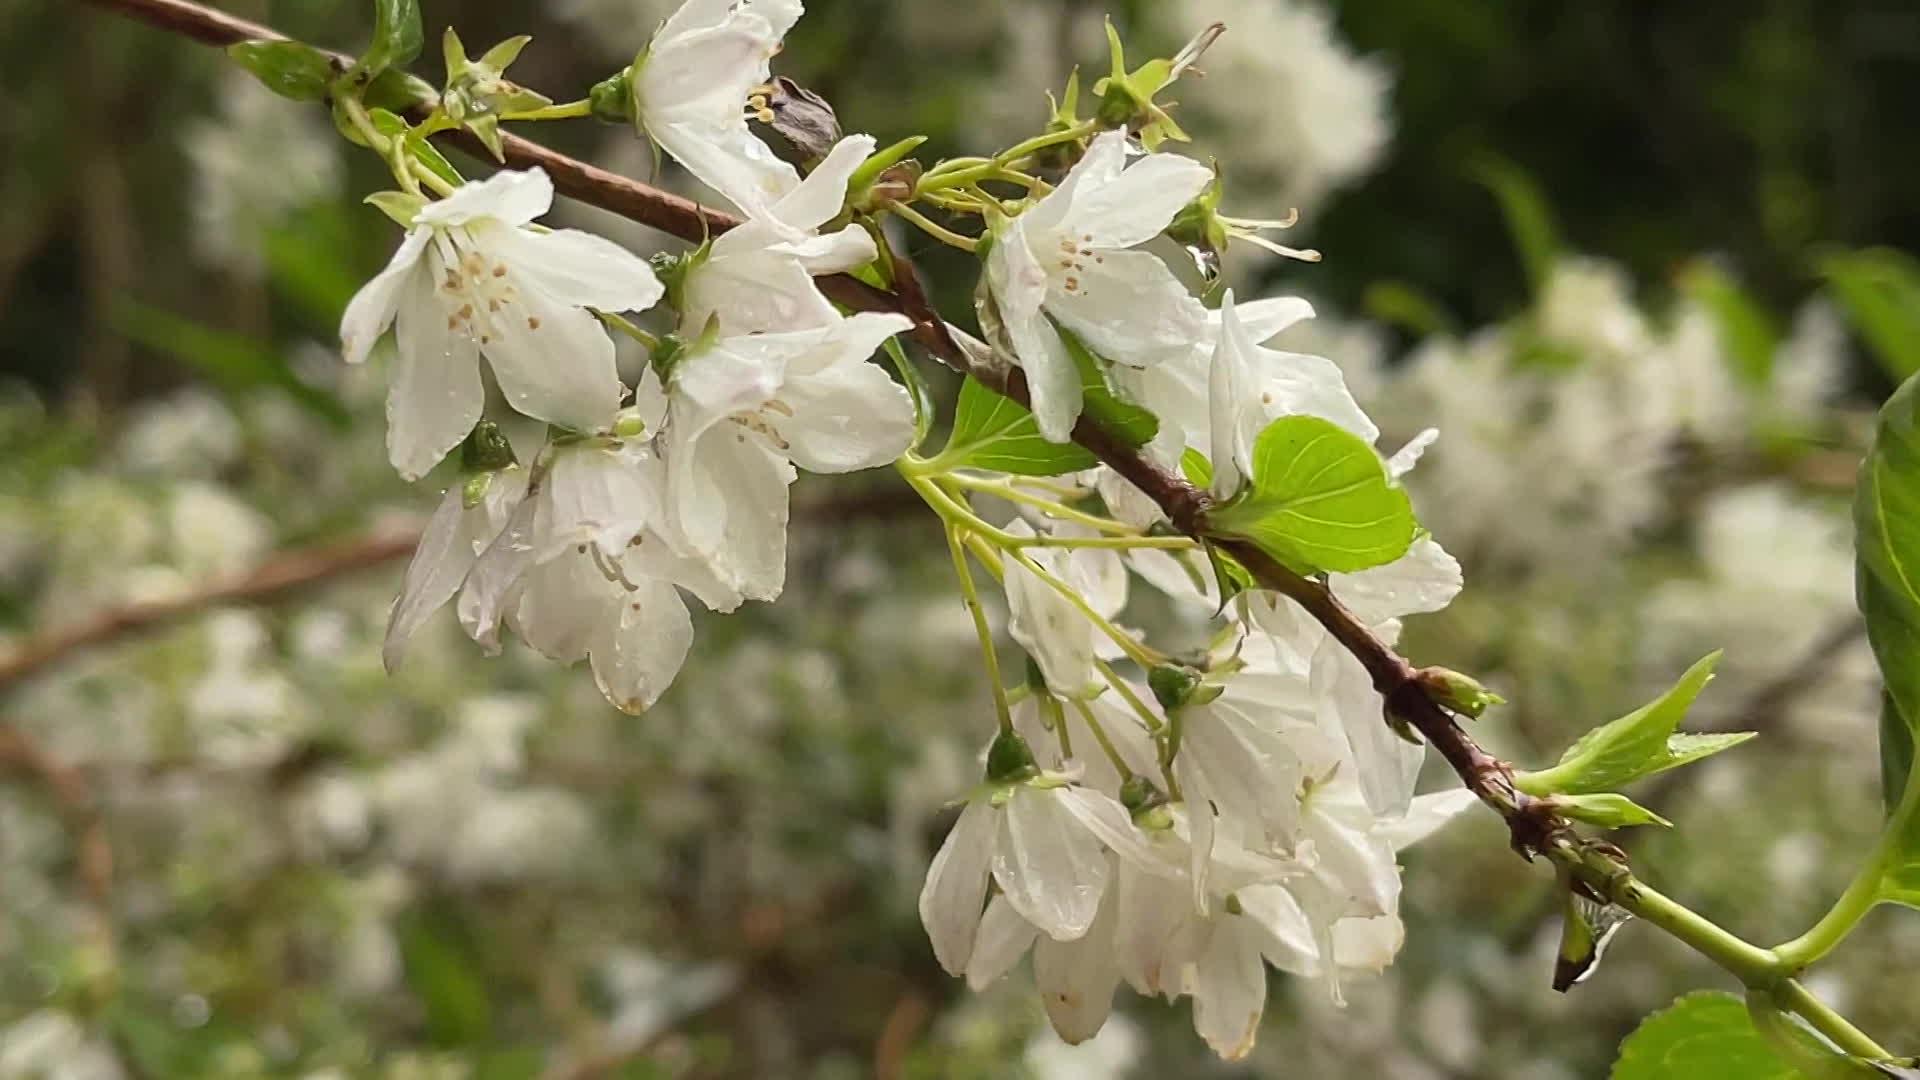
(1534, 826)
(277, 577)
(79, 811)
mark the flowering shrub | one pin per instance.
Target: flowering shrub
(1177, 807)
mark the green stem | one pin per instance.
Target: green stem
(938, 232)
(1121, 687)
(965, 171)
(1136, 652)
(1751, 964)
(1863, 892)
(1000, 489)
(1797, 999)
(1100, 736)
(570, 111)
(627, 327)
(972, 599)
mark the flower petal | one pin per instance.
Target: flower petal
(818, 199)
(1425, 579)
(1077, 978)
(1129, 308)
(451, 542)
(1051, 869)
(553, 362)
(1137, 205)
(1003, 938)
(956, 886)
(1425, 817)
(578, 268)
(847, 416)
(1229, 988)
(510, 196)
(639, 650)
(372, 309)
(435, 394)
(729, 159)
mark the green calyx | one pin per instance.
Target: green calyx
(612, 98)
(486, 449)
(1176, 686)
(1126, 98)
(1198, 227)
(672, 270)
(1010, 759)
(478, 94)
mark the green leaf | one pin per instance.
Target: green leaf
(1319, 499)
(442, 970)
(1880, 290)
(1708, 1035)
(399, 91)
(1400, 304)
(1896, 752)
(992, 431)
(1126, 421)
(229, 360)
(1749, 333)
(1196, 468)
(394, 126)
(1607, 810)
(1886, 520)
(1638, 744)
(1528, 218)
(288, 68)
(397, 36)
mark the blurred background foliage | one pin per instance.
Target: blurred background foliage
(1647, 267)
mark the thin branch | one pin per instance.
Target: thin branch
(1535, 827)
(73, 795)
(277, 577)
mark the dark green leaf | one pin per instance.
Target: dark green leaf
(1880, 290)
(288, 68)
(991, 431)
(1528, 218)
(1126, 421)
(1638, 744)
(399, 91)
(1319, 499)
(1747, 330)
(443, 972)
(229, 360)
(397, 35)
(1886, 519)
(1707, 1035)
(1896, 752)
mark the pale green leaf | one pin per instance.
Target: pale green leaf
(1528, 218)
(1121, 418)
(1880, 290)
(288, 68)
(1607, 810)
(1641, 743)
(1709, 1035)
(992, 431)
(1746, 329)
(397, 35)
(1319, 500)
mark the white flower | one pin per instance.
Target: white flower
(1343, 699)
(758, 276)
(1065, 260)
(454, 537)
(1041, 843)
(1249, 386)
(1056, 633)
(469, 279)
(744, 410)
(587, 569)
(690, 91)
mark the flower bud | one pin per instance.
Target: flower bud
(1009, 759)
(1177, 685)
(1461, 693)
(486, 449)
(611, 99)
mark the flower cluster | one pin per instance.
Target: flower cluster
(1177, 826)
(638, 493)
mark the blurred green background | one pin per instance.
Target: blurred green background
(1647, 266)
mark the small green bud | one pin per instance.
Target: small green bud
(474, 489)
(1461, 693)
(629, 424)
(1606, 809)
(401, 206)
(1009, 759)
(1127, 97)
(667, 355)
(486, 449)
(1233, 905)
(612, 98)
(1172, 684)
(1138, 793)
